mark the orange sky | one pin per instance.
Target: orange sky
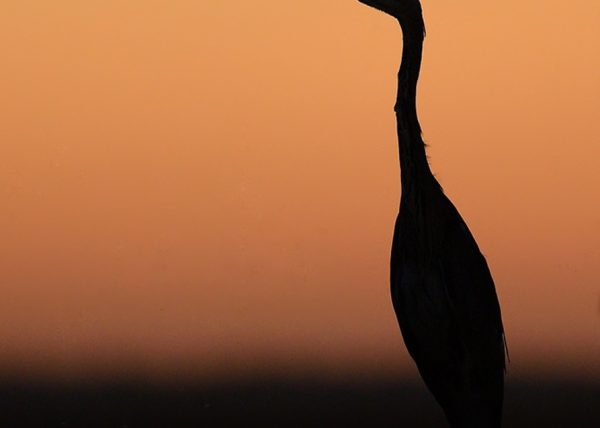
(210, 186)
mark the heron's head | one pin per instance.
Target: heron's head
(396, 8)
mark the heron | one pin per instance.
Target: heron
(442, 290)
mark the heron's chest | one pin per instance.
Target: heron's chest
(419, 292)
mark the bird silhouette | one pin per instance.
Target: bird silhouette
(442, 290)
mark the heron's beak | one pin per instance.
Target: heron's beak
(386, 6)
(372, 3)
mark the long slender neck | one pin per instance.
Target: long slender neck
(413, 159)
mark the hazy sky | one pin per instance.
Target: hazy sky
(201, 186)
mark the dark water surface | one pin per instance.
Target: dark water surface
(276, 402)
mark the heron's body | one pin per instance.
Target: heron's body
(444, 298)
(442, 290)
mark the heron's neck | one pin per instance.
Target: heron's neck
(413, 160)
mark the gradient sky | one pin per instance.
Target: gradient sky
(211, 186)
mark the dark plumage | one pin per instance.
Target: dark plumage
(442, 290)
